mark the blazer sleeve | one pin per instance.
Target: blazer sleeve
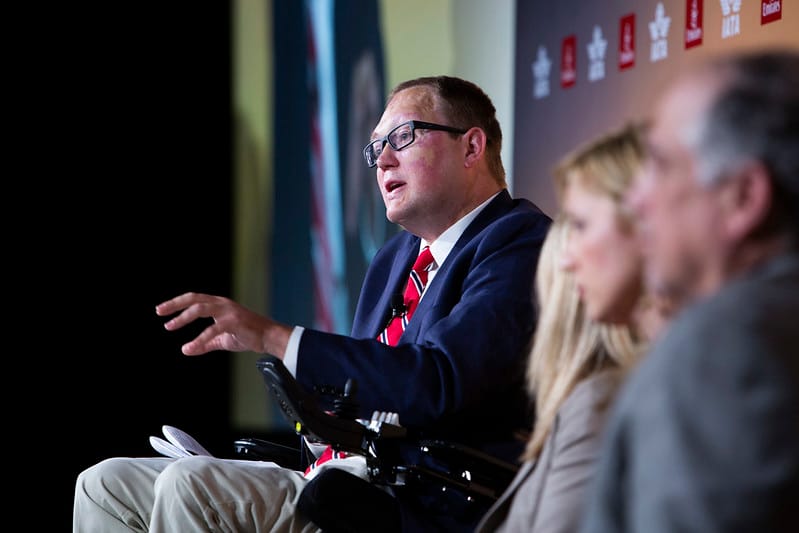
(569, 460)
(714, 438)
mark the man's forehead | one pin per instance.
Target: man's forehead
(411, 103)
(414, 100)
(680, 112)
(418, 96)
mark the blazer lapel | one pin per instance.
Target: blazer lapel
(524, 472)
(498, 206)
(396, 282)
(499, 509)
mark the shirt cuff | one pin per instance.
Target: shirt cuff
(292, 350)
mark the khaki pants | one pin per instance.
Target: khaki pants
(189, 494)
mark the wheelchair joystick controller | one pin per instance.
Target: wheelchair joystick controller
(345, 406)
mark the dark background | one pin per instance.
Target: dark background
(130, 176)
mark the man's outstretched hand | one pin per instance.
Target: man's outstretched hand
(235, 328)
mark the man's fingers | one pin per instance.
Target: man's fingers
(189, 314)
(205, 342)
(177, 303)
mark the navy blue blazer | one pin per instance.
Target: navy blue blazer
(458, 370)
(465, 346)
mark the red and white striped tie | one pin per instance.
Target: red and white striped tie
(417, 280)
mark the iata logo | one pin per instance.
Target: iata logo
(731, 18)
(596, 55)
(627, 41)
(541, 68)
(659, 30)
(693, 23)
(568, 62)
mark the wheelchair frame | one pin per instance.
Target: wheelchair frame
(477, 475)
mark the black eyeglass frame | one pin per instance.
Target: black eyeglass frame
(414, 124)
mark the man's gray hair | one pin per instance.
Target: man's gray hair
(755, 117)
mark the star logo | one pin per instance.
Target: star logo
(658, 30)
(541, 68)
(728, 7)
(596, 55)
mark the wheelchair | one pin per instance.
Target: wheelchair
(396, 457)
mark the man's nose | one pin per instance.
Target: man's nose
(387, 157)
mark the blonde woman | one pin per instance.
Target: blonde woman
(604, 252)
(589, 334)
(574, 369)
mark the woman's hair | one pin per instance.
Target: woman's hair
(606, 165)
(568, 347)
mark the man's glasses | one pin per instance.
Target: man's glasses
(401, 137)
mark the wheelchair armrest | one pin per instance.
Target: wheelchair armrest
(264, 450)
(302, 410)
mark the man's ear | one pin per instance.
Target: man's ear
(747, 199)
(475, 141)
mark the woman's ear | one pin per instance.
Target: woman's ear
(475, 141)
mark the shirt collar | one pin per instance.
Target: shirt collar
(442, 246)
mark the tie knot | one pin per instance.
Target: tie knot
(424, 260)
